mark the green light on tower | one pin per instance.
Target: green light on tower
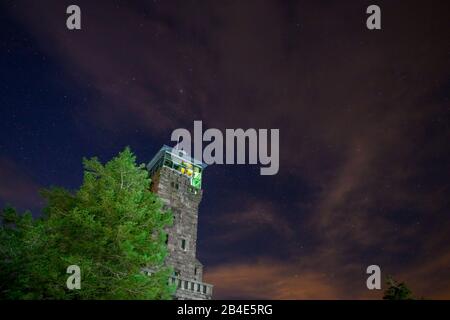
(178, 160)
(196, 180)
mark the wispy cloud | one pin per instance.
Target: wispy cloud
(362, 118)
(17, 188)
(269, 280)
(254, 217)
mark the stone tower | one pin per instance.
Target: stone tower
(177, 178)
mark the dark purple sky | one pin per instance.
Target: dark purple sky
(363, 118)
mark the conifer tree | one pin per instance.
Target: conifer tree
(112, 228)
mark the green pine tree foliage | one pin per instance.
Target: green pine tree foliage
(112, 228)
(397, 291)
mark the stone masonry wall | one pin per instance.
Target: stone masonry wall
(178, 195)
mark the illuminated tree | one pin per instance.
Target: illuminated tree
(397, 291)
(112, 228)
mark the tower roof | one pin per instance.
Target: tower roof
(175, 154)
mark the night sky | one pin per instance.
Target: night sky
(363, 116)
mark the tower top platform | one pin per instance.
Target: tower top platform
(179, 161)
